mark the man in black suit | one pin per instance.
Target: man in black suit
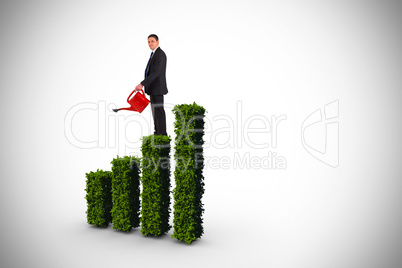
(155, 84)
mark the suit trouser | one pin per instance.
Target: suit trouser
(158, 114)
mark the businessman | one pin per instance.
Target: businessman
(155, 84)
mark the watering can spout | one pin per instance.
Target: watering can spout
(128, 109)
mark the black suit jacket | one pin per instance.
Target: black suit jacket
(155, 81)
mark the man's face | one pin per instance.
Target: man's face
(152, 43)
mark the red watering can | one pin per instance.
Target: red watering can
(138, 102)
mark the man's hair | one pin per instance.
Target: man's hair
(154, 36)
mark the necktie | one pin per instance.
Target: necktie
(146, 70)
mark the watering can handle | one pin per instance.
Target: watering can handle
(133, 92)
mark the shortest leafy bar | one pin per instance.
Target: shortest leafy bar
(99, 198)
(125, 193)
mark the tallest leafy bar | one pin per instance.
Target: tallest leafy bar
(188, 208)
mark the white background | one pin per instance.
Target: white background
(274, 58)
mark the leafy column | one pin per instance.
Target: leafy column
(189, 179)
(125, 193)
(99, 198)
(155, 180)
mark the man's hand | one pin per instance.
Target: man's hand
(139, 87)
